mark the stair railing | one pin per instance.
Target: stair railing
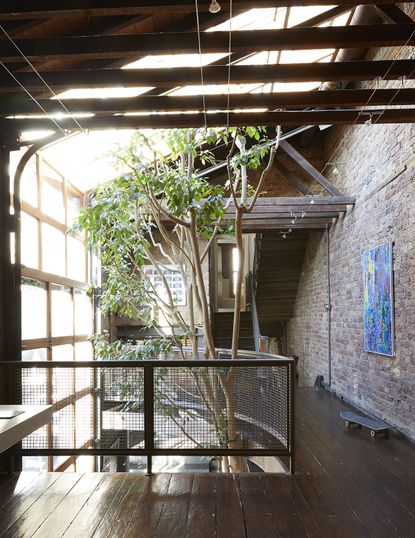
(261, 342)
(251, 286)
(256, 262)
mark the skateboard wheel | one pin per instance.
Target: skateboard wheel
(372, 433)
(347, 423)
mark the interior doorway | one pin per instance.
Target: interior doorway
(224, 270)
(227, 259)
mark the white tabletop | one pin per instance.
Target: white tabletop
(13, 430)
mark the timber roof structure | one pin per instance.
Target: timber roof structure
(153, 64)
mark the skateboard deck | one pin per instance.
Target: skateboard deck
(375, 426)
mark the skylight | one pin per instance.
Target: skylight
(54, 116)
(275, 87)
(213, 89)
(253, 19)
(174, 60)
(270, 18)
(96, 93)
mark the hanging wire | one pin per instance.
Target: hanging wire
(369, 122)
(229, 65)
(22, 54)
(362, 108)
(201, 63)
(32, 97)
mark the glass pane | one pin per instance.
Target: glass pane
(29, 241)
(62, 311)
(34, 354)
(83, 352)
(38, 464)
(73, 207)
(62, 353)
(53, 250)
(83, 376)
(85, 464)
(76, 259)
(34, 305)
(83, 313)
(84, 421)
(29, 185)
(52, 199)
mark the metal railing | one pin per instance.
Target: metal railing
(223, 407)
(261, 342)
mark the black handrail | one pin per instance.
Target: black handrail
(249, 360)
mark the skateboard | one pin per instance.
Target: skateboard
(375, 426)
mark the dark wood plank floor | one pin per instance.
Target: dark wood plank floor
(347, 485)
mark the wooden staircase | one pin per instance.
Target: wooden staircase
(279, 271)
(222, 331)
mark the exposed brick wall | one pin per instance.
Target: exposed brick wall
(369, 158)
(384, 386)
(307, 330)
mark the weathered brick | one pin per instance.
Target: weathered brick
(383, 386)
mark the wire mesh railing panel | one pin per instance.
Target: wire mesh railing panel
(221, 408)
(262, 407)
(121, 397)
(188, 408)
(70, 392)
(159, 407)
(93, 407)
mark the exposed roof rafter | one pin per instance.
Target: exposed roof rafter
(277, 100)
(211, 42)
(11, 10)
(308, 168)
(241, 74)
(166, 121)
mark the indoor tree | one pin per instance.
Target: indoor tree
(161, 211)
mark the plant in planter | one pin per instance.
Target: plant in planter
(161, 213)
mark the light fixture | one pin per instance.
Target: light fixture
(369, 121)
(214, 7)
(335, 170)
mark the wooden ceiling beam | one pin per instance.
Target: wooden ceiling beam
(278, 100)
(95, 47)
(220, 119)
(392, 14)
(292, 178)
(311, 210)
(240, 74)
(258, 216)
(12, 10)
(294, 201)
(308, 168)
(256, 227)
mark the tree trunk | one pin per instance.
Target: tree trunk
(238, 293)
(209, 344)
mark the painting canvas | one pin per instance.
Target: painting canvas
(378, 300)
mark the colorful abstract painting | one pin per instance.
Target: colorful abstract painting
(378, 300)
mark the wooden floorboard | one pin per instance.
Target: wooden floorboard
(347, 485)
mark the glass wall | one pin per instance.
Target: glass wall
(57, 313)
